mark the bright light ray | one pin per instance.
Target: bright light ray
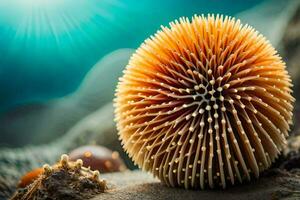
(61, 24)
(54, 37)
(47, 46)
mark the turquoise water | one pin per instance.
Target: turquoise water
(47, 46)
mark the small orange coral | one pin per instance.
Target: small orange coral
(29, 177)
(204, 102)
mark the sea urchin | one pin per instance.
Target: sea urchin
(204, 102)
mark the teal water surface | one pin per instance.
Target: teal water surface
(47, 46)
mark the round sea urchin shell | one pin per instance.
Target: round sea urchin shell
(204, 102)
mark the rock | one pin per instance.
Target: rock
(136, 185)
(67, 180)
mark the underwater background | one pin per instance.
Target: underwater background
(47, 46)
(60, 59)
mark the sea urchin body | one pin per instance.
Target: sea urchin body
(206, 102)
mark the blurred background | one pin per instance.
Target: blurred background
(60, 59)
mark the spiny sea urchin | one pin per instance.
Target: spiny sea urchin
(206, 101)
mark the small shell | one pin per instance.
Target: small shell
(98, 158)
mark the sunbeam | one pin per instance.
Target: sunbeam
(57, 41)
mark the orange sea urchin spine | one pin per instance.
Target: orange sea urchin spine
(206, 102)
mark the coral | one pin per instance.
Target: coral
(64, 180)
(29, 177)
(204, 103)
